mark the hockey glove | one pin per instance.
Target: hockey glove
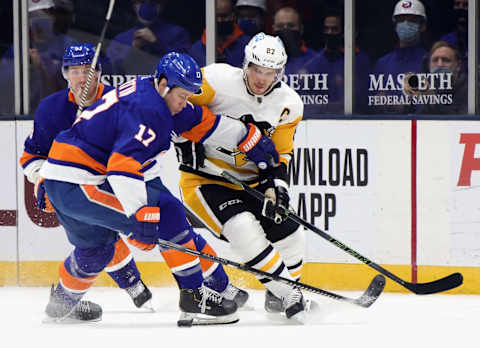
(190, 154)
(43, 203)
(259, 148)
(276, 201)
(145, 228)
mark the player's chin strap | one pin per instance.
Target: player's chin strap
(443, 284)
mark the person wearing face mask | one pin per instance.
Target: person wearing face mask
(45, 54)
(409, 22)
(230, 39)
(329, 63)
(135, 50)
(287, 25)
(251, 15)
(444, 89)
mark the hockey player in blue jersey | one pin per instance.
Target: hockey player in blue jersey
(98, 178)
(57, 112)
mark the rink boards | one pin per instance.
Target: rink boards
(403, 193)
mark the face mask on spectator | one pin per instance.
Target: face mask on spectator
(147, 12)
(444, 70)
(333, 42)
(248, 25)
(225, 28)
(407, 31)
(441, 70)
(292, 40)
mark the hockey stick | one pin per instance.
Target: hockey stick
(91, 71)
(370, 295)
(449, 282)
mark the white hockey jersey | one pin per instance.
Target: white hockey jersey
(224, 92)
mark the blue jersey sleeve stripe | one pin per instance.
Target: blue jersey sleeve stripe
(127, 174)
(74, 165)
(215, 125)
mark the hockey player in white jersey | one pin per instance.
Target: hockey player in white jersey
(262, 238)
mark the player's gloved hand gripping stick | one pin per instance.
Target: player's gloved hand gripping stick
(145, 228)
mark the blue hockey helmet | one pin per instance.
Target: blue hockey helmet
(79, 54)
(180, 70)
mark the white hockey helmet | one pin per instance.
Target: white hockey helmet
(253, 3)
(413, 7)
(35, 5)
(266, 51)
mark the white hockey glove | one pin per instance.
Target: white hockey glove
(276, 195)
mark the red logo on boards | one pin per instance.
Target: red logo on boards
(469, 161)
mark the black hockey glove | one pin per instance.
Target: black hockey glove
(190, 154)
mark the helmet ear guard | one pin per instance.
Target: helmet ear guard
(180, 70)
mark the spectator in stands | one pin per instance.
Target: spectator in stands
(385, 90)
(444, 89)
(230, 39)
(251, 15)
(45, 54)
(137, 49)
(458, 38)
(287, 24)
(330, 63)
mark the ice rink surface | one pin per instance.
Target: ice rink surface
(395, 320)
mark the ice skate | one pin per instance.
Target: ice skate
(205, 307)
(239, 296)
(294, 305)
(61, 307)
(273, 304)
(141, 295)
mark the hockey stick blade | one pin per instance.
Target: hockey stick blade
(372, 293)
(366, 300)
(443, 284)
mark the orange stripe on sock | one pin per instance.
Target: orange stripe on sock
(74, 283)
(121, 253)
(204, 263)
(175, 258)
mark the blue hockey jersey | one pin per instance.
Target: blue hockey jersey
(119, 138)
(55, 113)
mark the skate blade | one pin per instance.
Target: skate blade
(298, 318)
(148, 306)
(67, 320)
(311, 306)
(194, 319)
